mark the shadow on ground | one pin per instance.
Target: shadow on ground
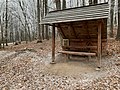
(75, 66)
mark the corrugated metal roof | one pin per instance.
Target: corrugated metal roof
(77, 14)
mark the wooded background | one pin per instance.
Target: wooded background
(20, 19)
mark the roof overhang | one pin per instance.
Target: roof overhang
(99, 11)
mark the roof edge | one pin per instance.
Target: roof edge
(78, 7)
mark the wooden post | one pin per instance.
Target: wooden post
(99, 45)
(53, 44)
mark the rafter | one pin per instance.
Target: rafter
(71, 25)
(61, 31)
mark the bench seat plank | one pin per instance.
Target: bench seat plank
(78, 53)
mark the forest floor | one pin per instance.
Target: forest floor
(27, 67)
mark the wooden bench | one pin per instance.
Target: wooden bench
(78, 53)
(67, 53)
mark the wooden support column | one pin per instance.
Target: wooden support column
(53, 44)
(99, 45)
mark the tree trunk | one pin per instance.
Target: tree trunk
(93, 2)
(24, 12)
(90, 2)
(33, 35)
(16, 35)
(22, 35)
(46, 26)
(19, 33)
(83, 2)
(11, 31)
(6, 27)
(2, 36)
(0, 27)
(118, 31)
(26, 35)
(2, 33)
(115, 22)
(42, 16)
(38, 21)
(29, 34)
(64, 4)
(0, 45)
(58, 4)
(111, 18)
(77, 3)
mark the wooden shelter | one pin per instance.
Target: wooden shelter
(83, 29)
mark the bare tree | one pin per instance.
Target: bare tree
(46, 11)
(111, 18)
(2, 34)
(24, 12)
(38, 20)
(6, 27)
(0, 28)
(95, 1)
(77, 3)
(42, 16)
(58, 4)
(118, 31)
(64, 4)
(83, 2)
(92, 2)
(11, 31)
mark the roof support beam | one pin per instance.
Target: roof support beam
(61, 31)
(88, 34)
(86, 27)
(99, 45)
(53, 44)
(71, 25)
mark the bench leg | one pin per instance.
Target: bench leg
(66, 57)
(89, 57)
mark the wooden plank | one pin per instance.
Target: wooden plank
(82, 14)
(99, 44)
(80, 47)
(77, 16)
(93, 40)
(97, 10)
(71, 19)
(78, 13)
(101, 11)
(78, 53)
(53, 43)
(82, 10)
